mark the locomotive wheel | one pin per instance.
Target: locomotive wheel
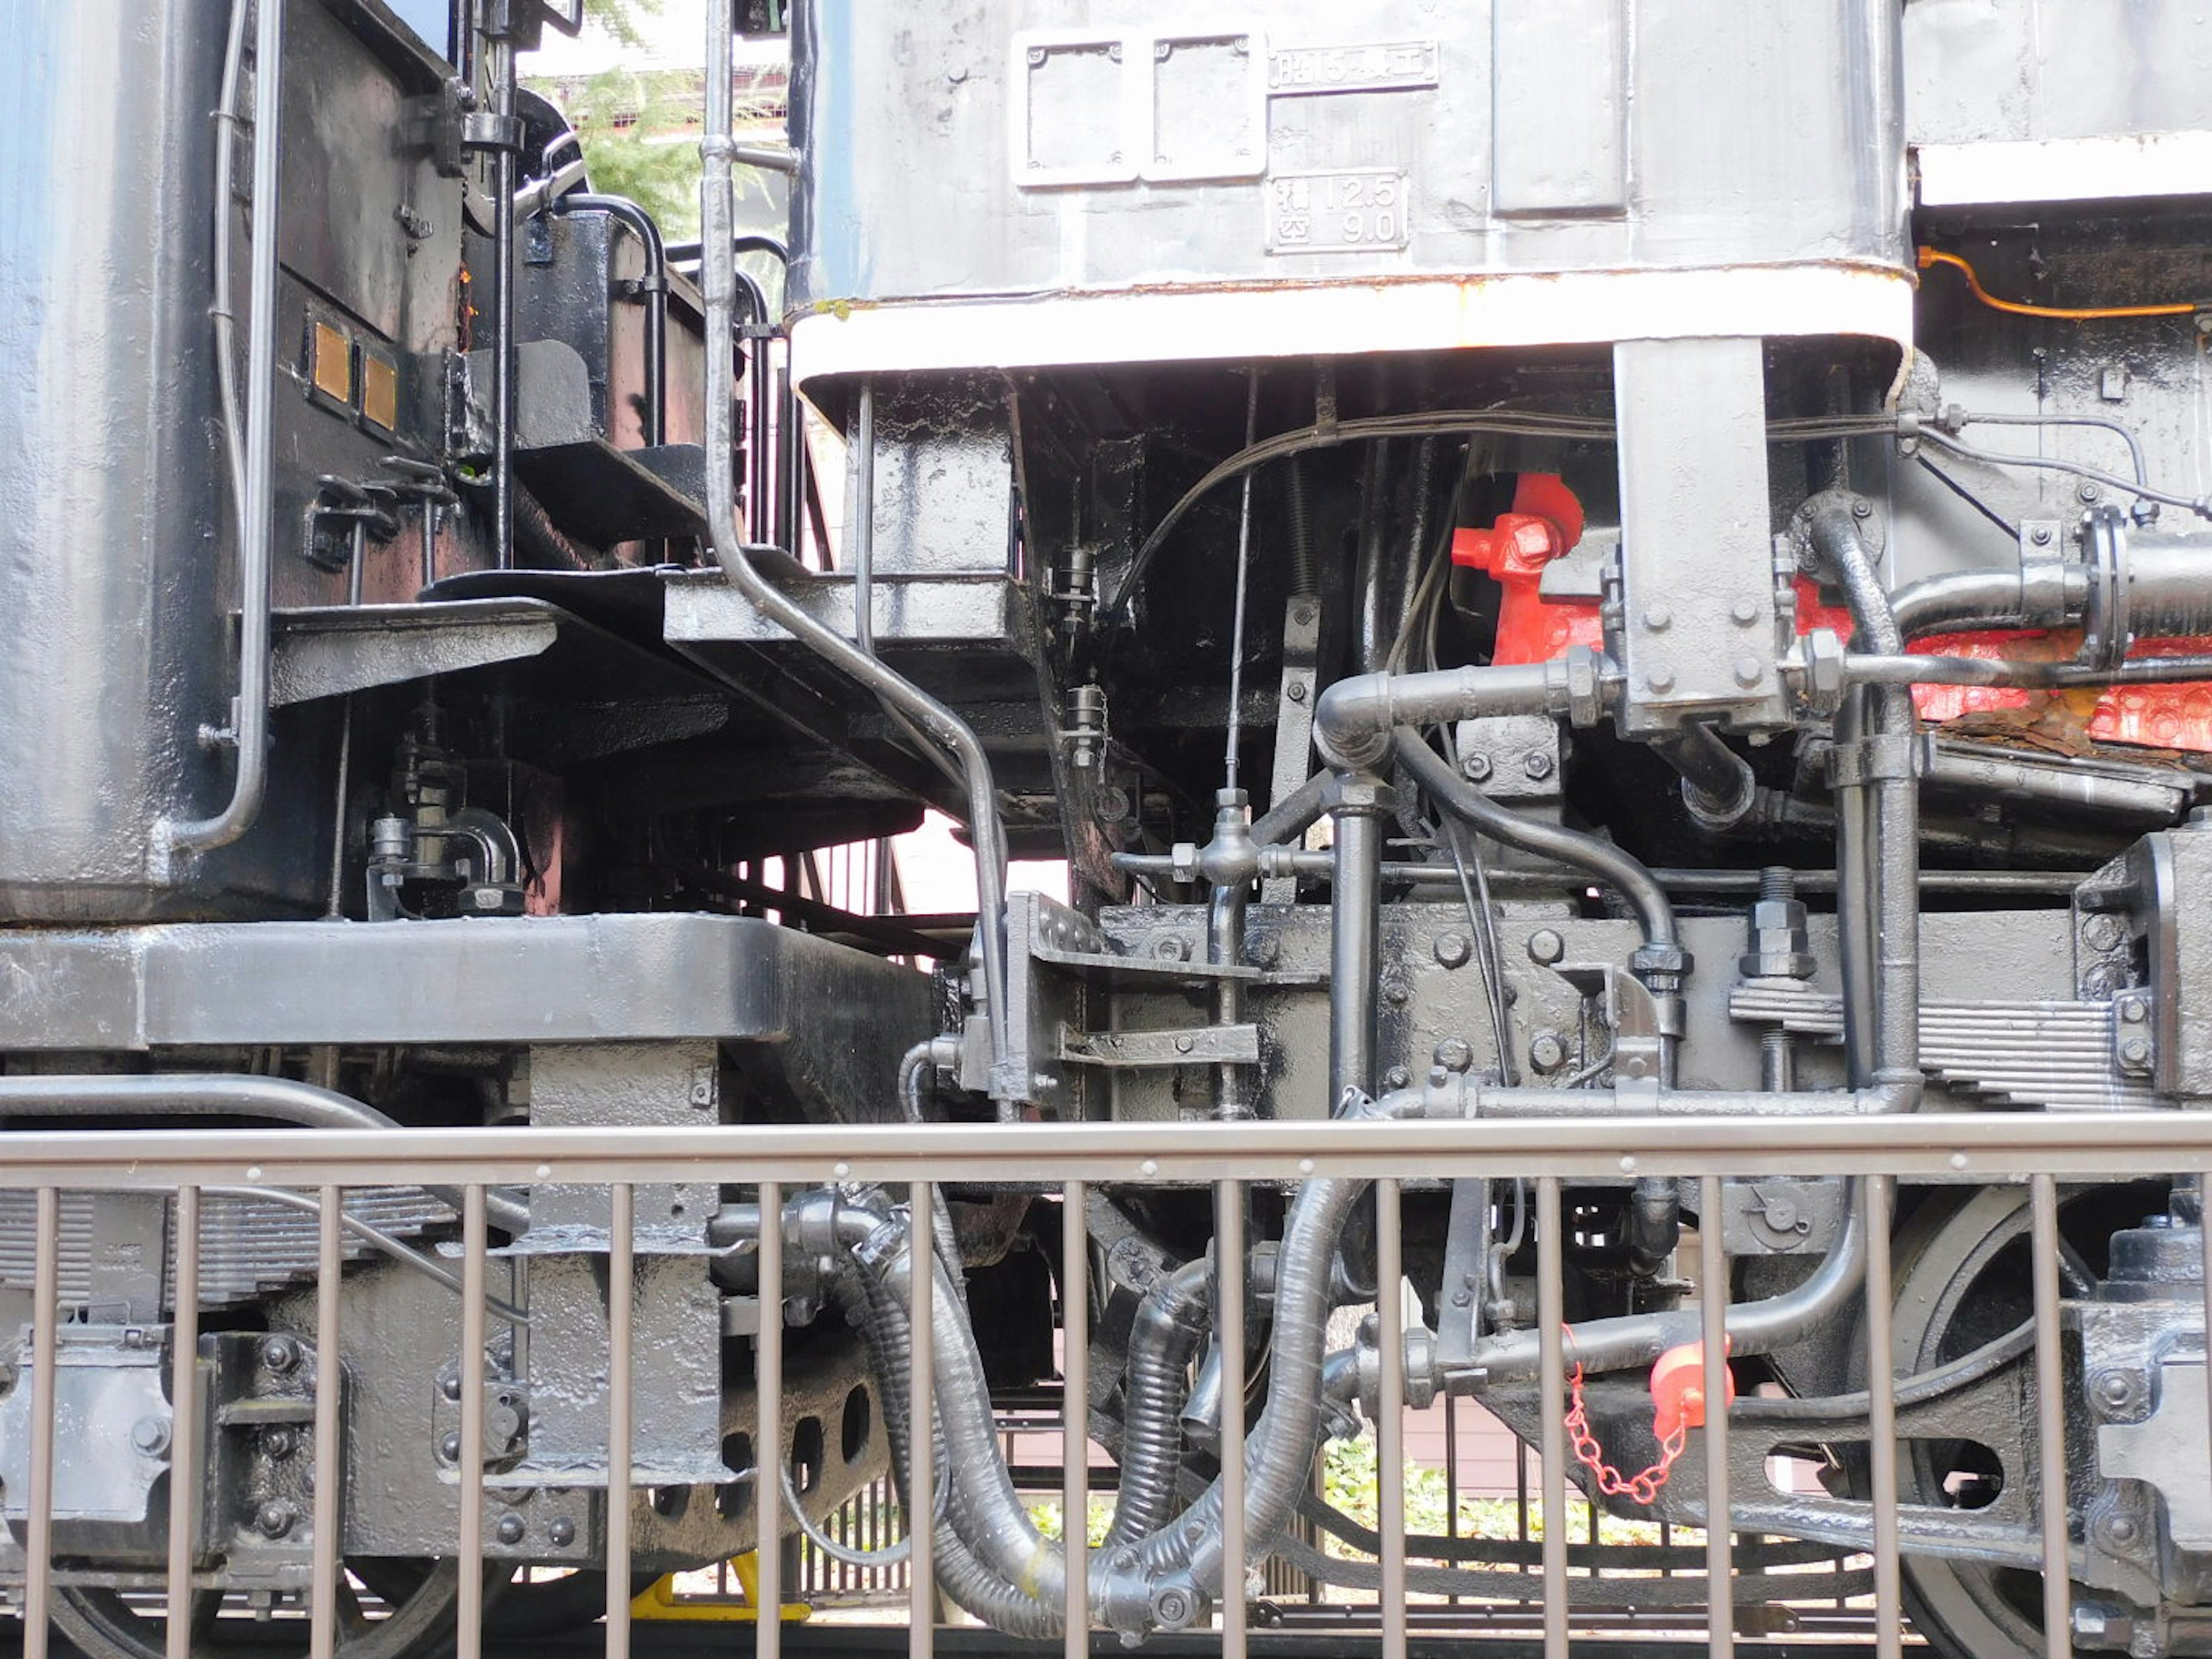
(557, 1607)
(419, 1597)
(1961, 1271)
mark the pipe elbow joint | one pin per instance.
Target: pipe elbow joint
(1352, 723)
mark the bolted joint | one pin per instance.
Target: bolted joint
(1662, 968)
(1359, 794)
(1780, 944)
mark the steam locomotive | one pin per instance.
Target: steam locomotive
(1541, 559)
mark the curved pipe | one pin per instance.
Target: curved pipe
(1717, 784)
(1601, 860)
(1163, 1578)
(1163, 1339)
(627, 213)
(251, 478)
(1353, 720)
(717, 151)
(1983, 598)
(222, 1094)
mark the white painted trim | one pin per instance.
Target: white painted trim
(1303, 320)
(2122, 166)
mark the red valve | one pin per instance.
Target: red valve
(1546, 521)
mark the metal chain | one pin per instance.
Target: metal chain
(1643, 1488)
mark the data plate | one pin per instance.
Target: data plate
(1373, 66)
(1360, 211)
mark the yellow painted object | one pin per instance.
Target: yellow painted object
(660, 1602)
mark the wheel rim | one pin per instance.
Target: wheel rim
(1962, 1280)
(421, 1598)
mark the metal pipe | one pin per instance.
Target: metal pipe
(985, 830)
(628, 213)
(45, 1360)
(1280, 860)
(1717, 784)
(1390, 1415)
(621, 1411)
(1354, 718)
(1601, 861)
(921, 1326)
(503, 297)
(1892, 671)
(1355, 937)
(253, 484)
(1225, 947)
(1893, 848)
(217, 1094)
(1979, 598)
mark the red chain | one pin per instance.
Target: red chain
(1643, 1488)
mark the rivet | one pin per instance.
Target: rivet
(511, 1529)
(1748, 671)
(1305, 1166)
(562, 1532)
(1546, 946)
(1745, 612)
(841, 1170)
(544, 1171)
(1660, 679)
(1628, 1164)
(1658, 618)
(1452, 949)
(1958, 1160)
(1148, 1167)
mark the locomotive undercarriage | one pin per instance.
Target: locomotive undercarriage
(1641, 721)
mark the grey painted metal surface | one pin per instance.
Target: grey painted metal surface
(1101, 187)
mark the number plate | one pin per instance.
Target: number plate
(1380, 66)
(1361, 210)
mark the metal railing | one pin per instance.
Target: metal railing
(1231, 1158)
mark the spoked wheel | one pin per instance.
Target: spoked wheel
(1962, 1272)
(418, 1601)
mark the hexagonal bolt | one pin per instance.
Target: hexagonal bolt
(1548, 1051)
(1538, 764)
(1396, 1078)
(1476, 765)
(275, 1518)
(149, 1436)
(280, 1353)
(2135, 1051)
(1455, 1053)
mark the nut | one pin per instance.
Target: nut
(1538, 764)
(1455, 1053)
(279, 1353)
(1476, 765)
(275, 1518)
(149, 1436)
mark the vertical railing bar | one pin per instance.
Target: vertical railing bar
(1075, 1413)
(184, 1423)
(1713, 1286)
(45, 1349)
(1390, 1415)
(621, 1411)
(769, 1459)
(2051, 1424)
(1451, 1475)
(468, 1466)
(330, 1387)
(921, 1479)
(1551, 1322)
(1881, 1415)
(1229, 1335)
